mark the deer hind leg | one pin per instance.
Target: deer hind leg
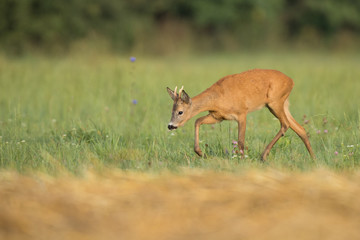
(208, 119)
(298, 129)
(277, 109)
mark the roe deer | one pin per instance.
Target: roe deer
(232, 98)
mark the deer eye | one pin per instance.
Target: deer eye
(181, 112)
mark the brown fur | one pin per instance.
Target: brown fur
(233, 97)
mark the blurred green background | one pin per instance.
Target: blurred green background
(164, 27)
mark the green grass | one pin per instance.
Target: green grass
(77, 113)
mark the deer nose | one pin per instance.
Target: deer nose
(171, 127)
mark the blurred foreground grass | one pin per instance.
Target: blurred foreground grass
(193, 205)
(77, 113)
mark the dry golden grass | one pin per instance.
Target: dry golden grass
(194, 205)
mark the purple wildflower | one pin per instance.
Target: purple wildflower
(132, 59)
(234, 142)
(336, 153)
(325, 131)
(134, 101)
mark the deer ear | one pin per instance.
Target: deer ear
(171, 93)
(185, 97)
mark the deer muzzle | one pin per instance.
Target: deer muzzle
(171, 127)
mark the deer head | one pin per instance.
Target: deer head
(181, 109)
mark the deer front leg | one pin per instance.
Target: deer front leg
(241, 135)
(208, 119)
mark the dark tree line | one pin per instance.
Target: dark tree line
(44, 24)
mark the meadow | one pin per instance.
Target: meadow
(96, 112)
(85, 152)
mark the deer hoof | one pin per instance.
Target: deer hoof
(199, 152)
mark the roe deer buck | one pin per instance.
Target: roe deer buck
(232, 98)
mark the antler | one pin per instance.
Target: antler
(175, 91)
(181, 89)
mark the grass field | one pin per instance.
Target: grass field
(85, 152)
(75, 113)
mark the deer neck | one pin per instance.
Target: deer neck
(201, 103)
